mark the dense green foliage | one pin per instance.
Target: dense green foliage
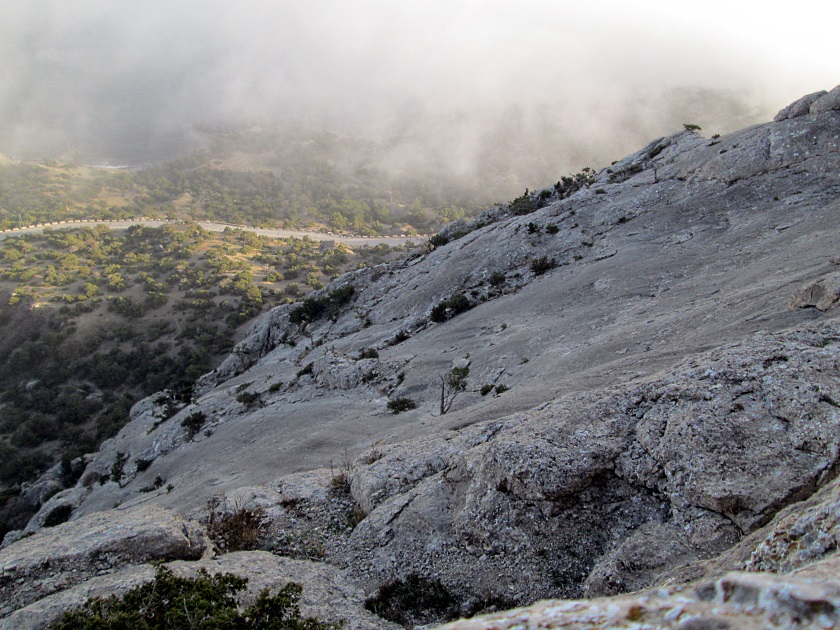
(205, 601)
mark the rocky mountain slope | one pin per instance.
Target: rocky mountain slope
(641, 379)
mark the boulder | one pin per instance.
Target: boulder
(821, 294)
(827, 102)
(60, 557)
(799, 107)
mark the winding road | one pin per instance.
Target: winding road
(210, 226)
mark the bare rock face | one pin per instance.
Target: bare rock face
(567, 497)
(821, 294)
(828, 102)
(736, 601)
(799, 107)
(63, 556)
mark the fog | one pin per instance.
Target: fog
(533, 88)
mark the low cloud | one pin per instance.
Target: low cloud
(479, 85)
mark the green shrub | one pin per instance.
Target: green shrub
(533, 228)
(486, 389)
(501, 389)
(143, 464)
(497, 278)
(248, 399)
(156, 485)
(542, 264)
(523, 205)
(117, 467)
(551, 228)
(306, 369)
(439, 312)
(438, 240)
(659, 148)
(313, 309)
(451, 307)
(571, 184)
(398, 405)
(451, 385)
(370, 353)
(401, 336)
(204, 601)
(193, 423)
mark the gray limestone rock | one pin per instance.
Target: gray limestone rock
(828, 102)
(63, 556)
(821, 294)
(799, 107)
(743, 601)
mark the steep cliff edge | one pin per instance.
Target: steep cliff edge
(662, 346)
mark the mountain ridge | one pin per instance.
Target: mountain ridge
(614, 315)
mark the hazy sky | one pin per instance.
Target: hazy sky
(105, 72)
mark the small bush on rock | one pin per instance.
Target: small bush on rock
(313, 309)
(193, 424)
(542, 264)
(249, 399)
(398, 405)
(451, 307)
(239, 529)
(402, 335)
(523, 205)
(205, 601)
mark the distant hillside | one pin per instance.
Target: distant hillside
(263, 177)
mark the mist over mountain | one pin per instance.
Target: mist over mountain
(480, 89)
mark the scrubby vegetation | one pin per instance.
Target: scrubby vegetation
(398, 405)
(236, 528)
(542, 264)
(92, 320)
(204, 601)
(451, 384)
(193, 423)
(450, 307)
(315, 308)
